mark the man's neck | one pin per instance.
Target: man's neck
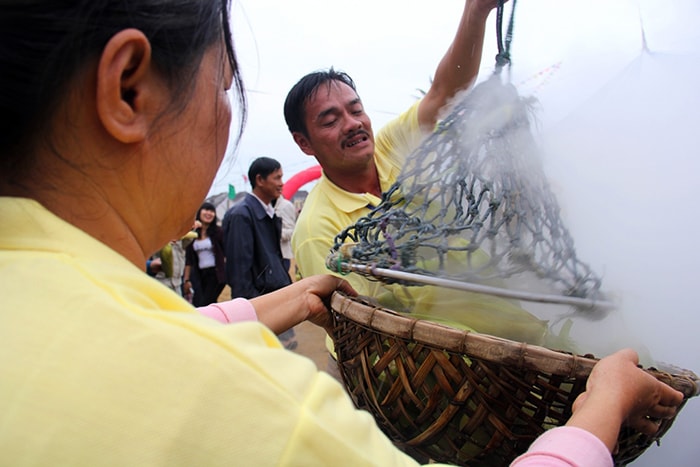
(366, 181)
(262, 196)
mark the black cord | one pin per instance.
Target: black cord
(503, 56)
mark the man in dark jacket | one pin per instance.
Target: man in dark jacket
(254, 262)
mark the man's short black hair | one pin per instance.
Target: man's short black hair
(262, 166)
(294, 104)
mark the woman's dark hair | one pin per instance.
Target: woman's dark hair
(214, 226)
(298, 96)
(45, 43)
(262, 166)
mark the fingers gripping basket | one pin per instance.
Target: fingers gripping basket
(464, 398)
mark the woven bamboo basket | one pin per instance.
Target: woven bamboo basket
(465, 398)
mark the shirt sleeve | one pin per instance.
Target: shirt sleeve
(566, 446)
(396, 140)
(232, 311)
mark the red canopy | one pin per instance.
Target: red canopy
(300, 179)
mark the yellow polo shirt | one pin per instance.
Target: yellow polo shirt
(102, 365)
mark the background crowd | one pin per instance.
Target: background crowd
(249, 250)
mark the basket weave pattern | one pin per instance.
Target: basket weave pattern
(459, 397)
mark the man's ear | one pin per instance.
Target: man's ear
(303, 143)
(125, 88)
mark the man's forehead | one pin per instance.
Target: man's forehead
(330, 93)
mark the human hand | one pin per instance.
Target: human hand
(642, 398)
(304, 300)
(317, 292)
(619, 393)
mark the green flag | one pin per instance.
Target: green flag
(231, 191)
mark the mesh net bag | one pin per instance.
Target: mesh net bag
(472, 206)
(472, 211)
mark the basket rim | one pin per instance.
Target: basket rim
(483, 346)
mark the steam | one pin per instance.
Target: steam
(625, 169)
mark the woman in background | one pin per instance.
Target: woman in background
(205, 268)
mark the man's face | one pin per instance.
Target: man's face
(340, 132)
(270, 187)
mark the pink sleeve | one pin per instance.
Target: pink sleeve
(566, 446)
(232, 311)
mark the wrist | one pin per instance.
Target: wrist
(480, 10)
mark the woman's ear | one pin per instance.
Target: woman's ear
(127, 93)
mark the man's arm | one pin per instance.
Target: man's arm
(458, 68)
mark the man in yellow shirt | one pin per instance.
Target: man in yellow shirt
(327, 120)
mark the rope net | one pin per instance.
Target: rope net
(473, 205)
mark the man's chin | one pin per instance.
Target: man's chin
(357, 161)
